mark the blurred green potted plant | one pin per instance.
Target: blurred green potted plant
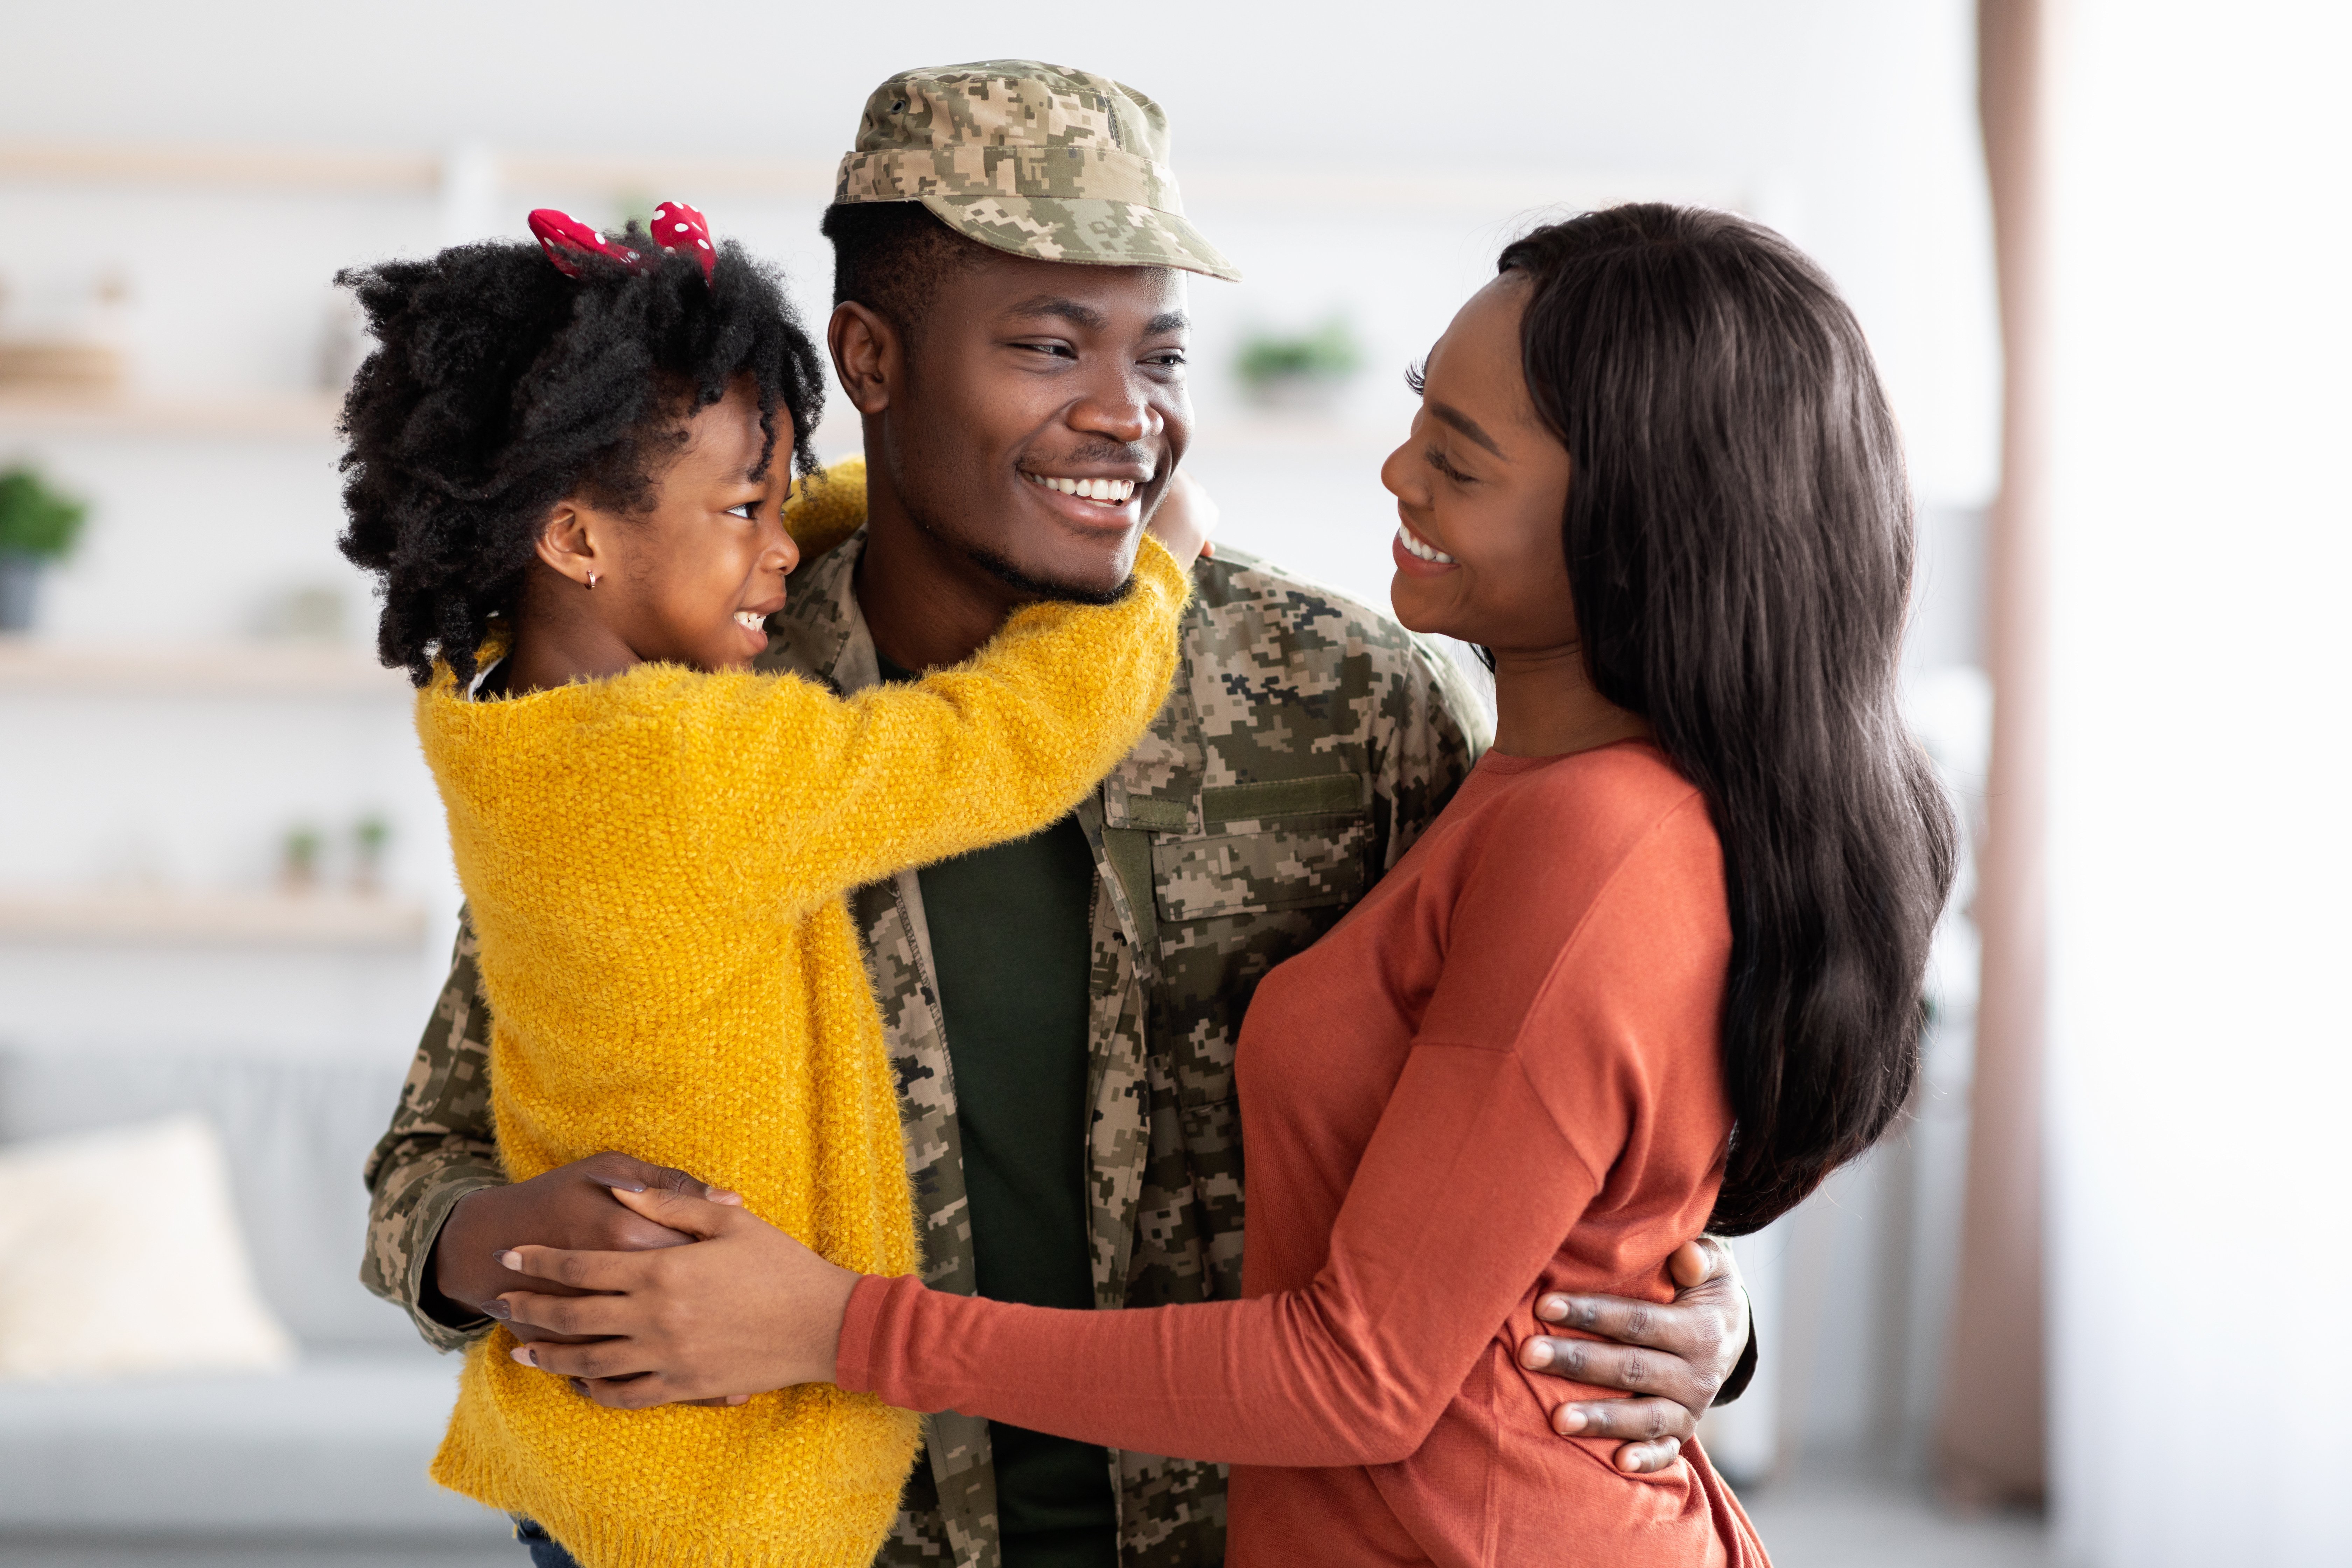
(1299, 371)
(370, 836)
(37, 528)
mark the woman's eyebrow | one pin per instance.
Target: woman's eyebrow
(1467, 426)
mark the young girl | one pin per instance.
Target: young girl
(1659, 959)
(568, 469)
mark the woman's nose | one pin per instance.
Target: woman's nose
(1398, 478)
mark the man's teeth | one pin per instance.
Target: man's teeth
(1116, 490)
(1416, 545)
(751, 620)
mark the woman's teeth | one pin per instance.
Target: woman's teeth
(1414, 544)
(751, 620)
(1113, 491)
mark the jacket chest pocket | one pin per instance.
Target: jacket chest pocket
(1288, 844)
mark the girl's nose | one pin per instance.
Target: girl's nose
(782, 553)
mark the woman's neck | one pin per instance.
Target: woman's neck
(1545, 706)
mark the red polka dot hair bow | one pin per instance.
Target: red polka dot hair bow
(675, 227)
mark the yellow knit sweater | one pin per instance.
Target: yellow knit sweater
(657, 864)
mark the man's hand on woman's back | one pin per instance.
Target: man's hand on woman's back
(571, 1206)
(1676, 1359)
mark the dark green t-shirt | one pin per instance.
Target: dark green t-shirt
(1009, 932)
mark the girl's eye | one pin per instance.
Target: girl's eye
(748, 511)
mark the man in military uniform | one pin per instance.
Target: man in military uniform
(1011, 251)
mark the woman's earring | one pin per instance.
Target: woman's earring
(592, 581)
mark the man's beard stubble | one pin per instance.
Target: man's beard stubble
(1026, 583)
(1038, 588)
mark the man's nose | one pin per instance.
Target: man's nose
(1121, 413)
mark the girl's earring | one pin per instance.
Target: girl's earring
(592, 581)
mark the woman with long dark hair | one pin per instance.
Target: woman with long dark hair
(1658, 967)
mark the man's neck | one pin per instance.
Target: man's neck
(926, 604)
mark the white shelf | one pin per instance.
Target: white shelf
(320, 919)
(40, 667)
(309, 416)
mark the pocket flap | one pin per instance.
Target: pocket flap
(1326, 794)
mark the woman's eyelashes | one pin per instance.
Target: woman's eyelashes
(1437, 460)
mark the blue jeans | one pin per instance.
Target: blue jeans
(545, 1551)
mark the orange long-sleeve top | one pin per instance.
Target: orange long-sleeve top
(1498, 1077)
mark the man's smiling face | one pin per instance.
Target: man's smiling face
(1042, 411)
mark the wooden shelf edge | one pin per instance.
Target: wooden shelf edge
(33, 665)
(322, 920)
(309, 416)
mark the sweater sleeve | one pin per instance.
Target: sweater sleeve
(832, 792)
(826, 507)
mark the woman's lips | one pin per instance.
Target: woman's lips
(1415, 556)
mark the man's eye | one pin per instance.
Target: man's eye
(1167, 357)
(1052, 350)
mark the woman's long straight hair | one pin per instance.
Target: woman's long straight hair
(1739, 544)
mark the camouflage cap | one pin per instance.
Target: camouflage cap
(1037, 160)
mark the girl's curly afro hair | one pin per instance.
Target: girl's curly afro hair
(499, 386)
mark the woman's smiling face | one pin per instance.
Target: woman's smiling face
(1481, 487)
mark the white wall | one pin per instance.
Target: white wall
(2200, 850)
(1845, 121)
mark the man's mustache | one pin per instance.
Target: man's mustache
(1098, 451)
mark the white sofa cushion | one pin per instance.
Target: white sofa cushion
(121, 1254)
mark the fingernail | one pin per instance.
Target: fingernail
(510, 1258)
(1535, 1354)
(1552, 1309)
(579, 1386)
(722, 1196)
(497, 1309)
(1571, 1420)
(619, 1186)
(525, 1354)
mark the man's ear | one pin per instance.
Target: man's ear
(568, 543)
(867, 355)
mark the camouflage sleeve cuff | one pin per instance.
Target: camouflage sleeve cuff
(424, 1228)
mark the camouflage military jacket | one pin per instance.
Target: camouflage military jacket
(1307, 743)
